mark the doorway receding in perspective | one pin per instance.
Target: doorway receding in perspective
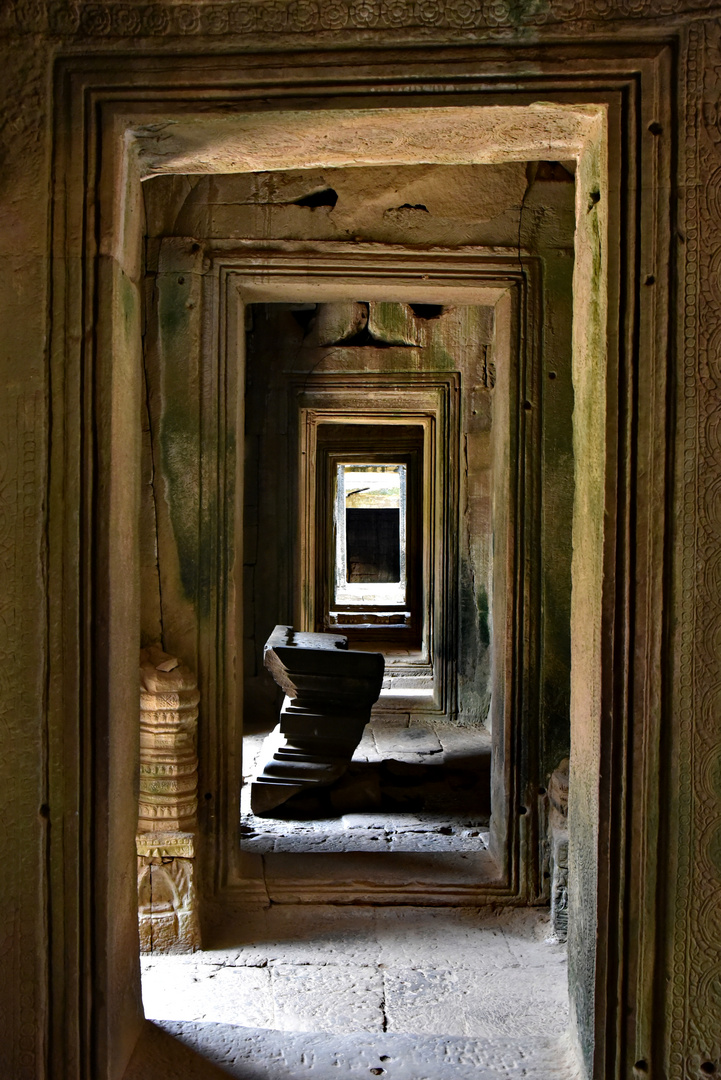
(364, 384)
(454, 342)
(370, 539)
(353, 437)
(370, 528)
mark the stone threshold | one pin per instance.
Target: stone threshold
(444, 878)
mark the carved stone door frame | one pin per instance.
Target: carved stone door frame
(120, 119)
(261, 273)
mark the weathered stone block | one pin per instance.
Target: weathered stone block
(329, 694)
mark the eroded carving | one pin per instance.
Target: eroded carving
(167, 817)
(138, 19)
(558, 836)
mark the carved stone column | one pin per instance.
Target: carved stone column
(167, 819)
(330, 691)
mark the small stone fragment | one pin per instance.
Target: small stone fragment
(168, 665)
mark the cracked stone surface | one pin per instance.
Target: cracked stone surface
(322, 991)
(252, 1054)
(328, 998)
(410, 787)
(416, 739)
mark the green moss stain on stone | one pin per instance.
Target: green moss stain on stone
(474, 656)
(392, 322)
(484, 618)
(179, 434)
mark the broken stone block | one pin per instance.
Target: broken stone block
(329, 694)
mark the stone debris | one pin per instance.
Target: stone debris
(330, 690)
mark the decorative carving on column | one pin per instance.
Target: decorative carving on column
(558, 835)
(329, 695)
(167, 819)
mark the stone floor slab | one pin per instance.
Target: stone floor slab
(401, 772)
(466, 1001)
(202, 991)
(245, 1054)
(329, 998)
(392, 740)
(530, 938)
(460, 992)
(284, 933)
(463, 937)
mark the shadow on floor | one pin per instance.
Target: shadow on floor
(459, 786)
(160, 1056)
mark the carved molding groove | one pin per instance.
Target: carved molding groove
(242, 17)
(167, 814)
(697, 928)
(20, 472)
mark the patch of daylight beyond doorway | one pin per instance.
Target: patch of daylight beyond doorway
(403, 993)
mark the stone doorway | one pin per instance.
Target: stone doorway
(467, 345)
(226, 875)
(474, 477)
(317, 391)
(494, 457)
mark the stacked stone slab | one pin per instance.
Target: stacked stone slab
(167, 817)
(329, 693)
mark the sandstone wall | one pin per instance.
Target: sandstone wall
(661, 932)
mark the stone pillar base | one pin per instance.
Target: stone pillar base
(167, 819)
(167, 904)
(329, 693)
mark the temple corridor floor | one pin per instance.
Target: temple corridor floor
(403, 993)
(411, 787)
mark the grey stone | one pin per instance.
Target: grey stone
(436, 841)
(357, 792)
(392, 740)
(417, 992)
(248, 1054)
(443, 938)
(329, 694)
(510, 1002)
(319, 667)
(333, 999)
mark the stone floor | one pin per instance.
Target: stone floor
(404, 993)
(410, 787)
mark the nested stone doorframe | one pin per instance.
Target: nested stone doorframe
(115, 124)
(237, 275)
